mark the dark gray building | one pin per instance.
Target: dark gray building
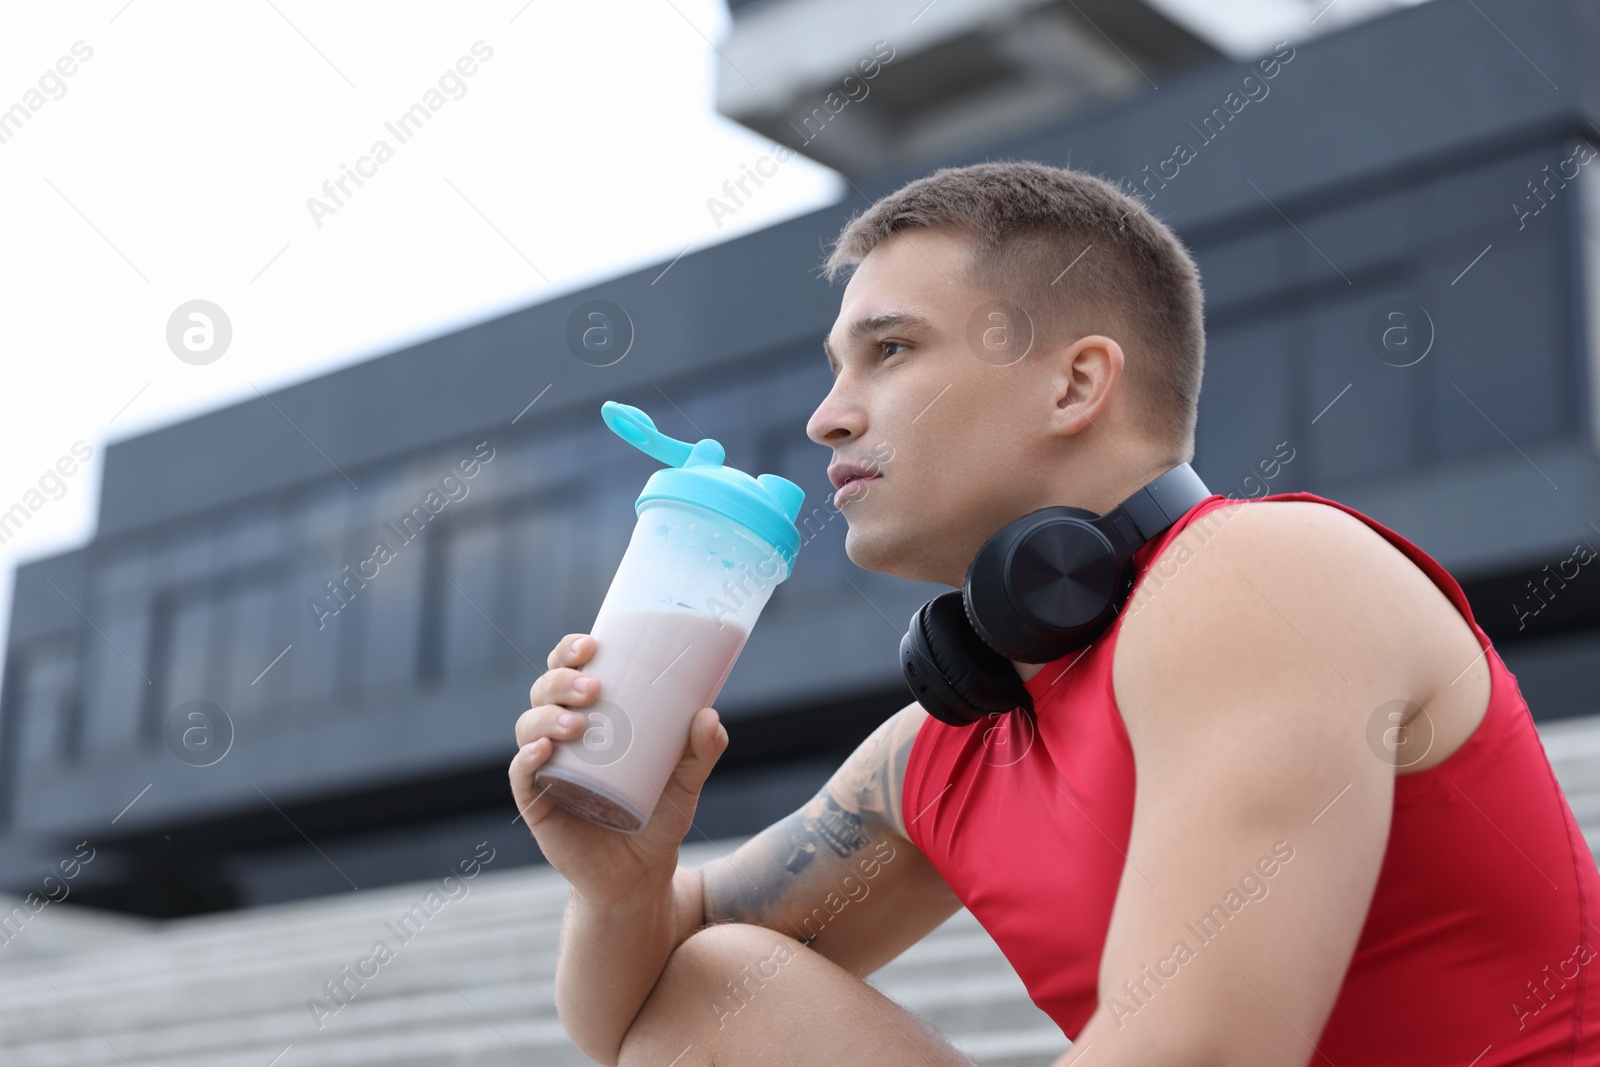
(1399, 233)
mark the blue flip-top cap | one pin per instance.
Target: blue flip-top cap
(767, 505)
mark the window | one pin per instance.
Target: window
(118, 677)
(471, 609)
(45, 684)
(251, 637)
(1371, 429)
(541, 549)
(1287, 333)
(1244, 404)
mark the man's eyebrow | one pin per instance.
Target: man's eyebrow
(870, 324)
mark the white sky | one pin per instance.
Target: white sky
(177, 163)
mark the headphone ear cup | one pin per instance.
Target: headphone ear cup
(1044, 585)
(955, 676)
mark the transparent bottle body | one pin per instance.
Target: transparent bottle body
(673, 622)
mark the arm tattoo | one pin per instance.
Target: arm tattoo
(834, 826)
(894, 770)
(859, 803)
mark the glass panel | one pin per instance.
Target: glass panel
(1469, 201)
(183, 554)
(530, 463)
(540, 558)
(393, 603)
(192, 626)
(320, 517)
(1246, 268)
(317, 621)
(46, 688)
(251, 636)
(117, 692)
(1370, 430)
(470, 637)
(283, 607)
(503, 474)
(247, 538)
(1363, 234)
(1503, 344)
(1245, 404)
(384, 499)
(705, 407)
(124, 571)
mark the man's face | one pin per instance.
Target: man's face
(960, 433)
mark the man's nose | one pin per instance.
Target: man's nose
(838, 418)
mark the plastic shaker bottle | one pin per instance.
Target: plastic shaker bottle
(710, 545)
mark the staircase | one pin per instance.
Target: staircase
(465, 981)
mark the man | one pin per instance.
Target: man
(1312, 862)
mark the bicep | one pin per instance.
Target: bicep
(836, 873)
(1247, 882)
(1261, 814)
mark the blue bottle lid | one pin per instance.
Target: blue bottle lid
(767, 505)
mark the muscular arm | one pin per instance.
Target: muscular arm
(839, 874)
(1247, 685)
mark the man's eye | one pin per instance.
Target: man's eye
(884, 345)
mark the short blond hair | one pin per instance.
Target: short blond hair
(1027, 222)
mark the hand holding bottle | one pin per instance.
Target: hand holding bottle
(600, 863)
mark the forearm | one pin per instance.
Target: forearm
(611, 954)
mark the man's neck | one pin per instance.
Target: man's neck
(1027, 670)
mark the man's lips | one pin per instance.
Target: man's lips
(850, 487)
(840, 473)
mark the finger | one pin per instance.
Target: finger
(570, 651)
(549, 720)
(532, 804)
(563, 685)
(708, 740)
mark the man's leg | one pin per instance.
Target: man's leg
(734, 994)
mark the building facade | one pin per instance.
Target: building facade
(238, 698)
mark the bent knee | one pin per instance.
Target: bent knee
(737, 939)
(712, 976)
(724, 955)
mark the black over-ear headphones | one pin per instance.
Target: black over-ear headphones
(1048, 583)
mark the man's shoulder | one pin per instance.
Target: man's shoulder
(1263, 573)
(1286, 511)
(871, 780)
(1243, 544)
(1262, 535)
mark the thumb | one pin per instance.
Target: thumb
(708, 739)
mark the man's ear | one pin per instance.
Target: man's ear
(1083, 376)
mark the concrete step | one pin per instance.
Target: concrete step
(476, 927)
(474, 985)
(458, 1004)
(962, 954)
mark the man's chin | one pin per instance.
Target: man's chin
(873, 552)
(866, 551)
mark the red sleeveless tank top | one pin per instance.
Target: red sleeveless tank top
(1476, 946)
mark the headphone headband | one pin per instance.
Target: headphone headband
(1164, 501)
